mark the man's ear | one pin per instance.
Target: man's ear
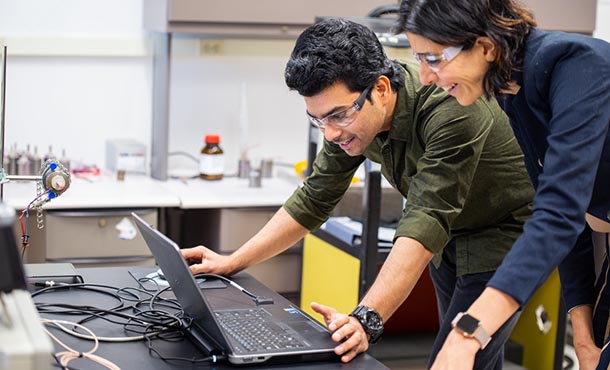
(383, 86)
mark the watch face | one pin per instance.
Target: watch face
(373, 320)
(468, 324)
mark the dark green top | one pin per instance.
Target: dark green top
(459, 168)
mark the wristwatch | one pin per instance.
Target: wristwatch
(470, 327)
(371, 322)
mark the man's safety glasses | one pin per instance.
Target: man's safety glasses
(343, 118)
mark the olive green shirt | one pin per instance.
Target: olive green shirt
(459, 168)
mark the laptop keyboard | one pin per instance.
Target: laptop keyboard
(255, 331)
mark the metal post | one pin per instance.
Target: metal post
(371, 205)
(2, 116)
(160, 103)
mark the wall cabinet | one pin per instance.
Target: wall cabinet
(565, 15)
(247, 18)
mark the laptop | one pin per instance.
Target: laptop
(229, 322)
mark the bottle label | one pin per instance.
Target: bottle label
(211, 164)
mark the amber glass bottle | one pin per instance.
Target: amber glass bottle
(212, 159)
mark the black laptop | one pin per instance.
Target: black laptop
(231, 323)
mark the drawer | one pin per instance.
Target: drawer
(91, 234)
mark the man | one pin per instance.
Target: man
(467, 192)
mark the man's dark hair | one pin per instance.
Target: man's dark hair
(459, 22)
(337, 50)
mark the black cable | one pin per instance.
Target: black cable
(151, 324)
(154, 352)
(102, 313)
(259, 300)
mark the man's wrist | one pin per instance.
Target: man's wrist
(371, 322)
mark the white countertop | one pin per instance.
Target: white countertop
(142, 191)
(231, 192)
(102, 192)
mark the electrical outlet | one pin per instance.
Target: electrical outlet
(211, 47)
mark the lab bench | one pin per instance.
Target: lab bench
(80, 225)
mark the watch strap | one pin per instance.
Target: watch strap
(482, 336)
(360, 313)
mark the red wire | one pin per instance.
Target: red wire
(25, 245)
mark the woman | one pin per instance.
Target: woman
(555, 88)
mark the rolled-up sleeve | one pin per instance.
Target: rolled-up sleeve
(312, 203)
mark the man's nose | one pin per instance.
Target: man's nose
(331, 133)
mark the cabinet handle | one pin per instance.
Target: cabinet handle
(102, 213)
(102, 259)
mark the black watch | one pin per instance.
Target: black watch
(371, 322)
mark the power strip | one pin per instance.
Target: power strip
(23, 343)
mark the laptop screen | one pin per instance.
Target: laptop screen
(176, 272)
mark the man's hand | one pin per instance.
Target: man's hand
(457, 353)
(345, 329)
(204, 260)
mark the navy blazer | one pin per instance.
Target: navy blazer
(561, 118)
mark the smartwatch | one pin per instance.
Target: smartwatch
(371, 322)
(470, 327)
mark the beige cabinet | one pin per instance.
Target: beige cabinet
(89, 238)
(226, 229)
(281, 273)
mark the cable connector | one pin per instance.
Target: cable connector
(259, 300)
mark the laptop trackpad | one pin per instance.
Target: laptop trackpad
(210, 283)
(305, 326)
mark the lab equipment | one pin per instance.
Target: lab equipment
(23, 344)
(125, 154)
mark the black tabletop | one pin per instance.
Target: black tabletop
(136, 355)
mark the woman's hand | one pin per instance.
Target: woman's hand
(588, 355)
(457, 353)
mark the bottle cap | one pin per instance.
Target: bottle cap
(212, 139)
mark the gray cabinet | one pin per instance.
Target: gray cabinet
(88, 238)
(226, 229)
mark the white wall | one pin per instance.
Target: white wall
(79, 72)
(209, 94)
(602, 29)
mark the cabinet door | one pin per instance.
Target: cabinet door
(281, 273)
(91, 236)
(237, 225)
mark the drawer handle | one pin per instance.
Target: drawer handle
(103, 213)
(102, 259)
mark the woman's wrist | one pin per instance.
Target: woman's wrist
(469, 344)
